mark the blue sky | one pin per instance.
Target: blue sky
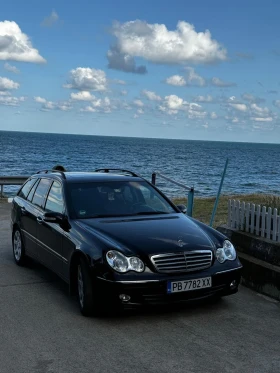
(148, 69)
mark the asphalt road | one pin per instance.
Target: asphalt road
(42, 331)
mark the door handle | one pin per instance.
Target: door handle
(23, 210)
(39, 219)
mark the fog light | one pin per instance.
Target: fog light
(124, 297)
(233, 284)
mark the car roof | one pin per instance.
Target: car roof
(81, 177)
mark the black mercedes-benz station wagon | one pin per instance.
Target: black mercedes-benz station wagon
(118, 241)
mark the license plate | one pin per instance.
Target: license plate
(188, 285)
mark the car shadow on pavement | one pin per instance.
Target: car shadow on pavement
(203, 306)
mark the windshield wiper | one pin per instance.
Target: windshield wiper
(151, 213)
(105, 216)
(124, 215)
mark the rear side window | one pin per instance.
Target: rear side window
(41, 192)
(26, 188)
(55, 199)
(32, 191)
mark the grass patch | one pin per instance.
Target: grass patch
(203, 206)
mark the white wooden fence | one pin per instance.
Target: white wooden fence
(251, 218)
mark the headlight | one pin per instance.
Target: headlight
(121, 263)
(227, 252)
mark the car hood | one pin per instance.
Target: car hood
(149, 235)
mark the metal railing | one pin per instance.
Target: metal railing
(190, 190)
(11, 180)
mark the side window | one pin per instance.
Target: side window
(41, 192)
(26, 188)
(32, 191)
(55, 199)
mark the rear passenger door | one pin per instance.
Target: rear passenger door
(27, 217)
(37, 198)
(50, 235)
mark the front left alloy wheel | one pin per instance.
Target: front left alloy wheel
(18, 248)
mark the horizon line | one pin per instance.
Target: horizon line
(137, 137)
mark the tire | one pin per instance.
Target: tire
(18, 248)
(87, 295)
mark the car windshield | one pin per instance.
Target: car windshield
(108, 199)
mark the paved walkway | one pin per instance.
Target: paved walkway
(42, 331)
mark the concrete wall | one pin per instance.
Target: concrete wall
(260, 259)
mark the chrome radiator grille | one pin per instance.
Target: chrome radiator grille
(183, 261)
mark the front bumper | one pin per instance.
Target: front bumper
(154, 291)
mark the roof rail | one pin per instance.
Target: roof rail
(107, 170)
(52, 171)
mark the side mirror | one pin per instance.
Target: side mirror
(182, 208)
(54, 217)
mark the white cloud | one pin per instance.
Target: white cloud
(50, 105)
(176, 80)
(119, 81)
(173, 104)
(152, 96)
(7, 84)
(194, 114)
(11, 69)
(235, 120)
(11, 101)
(50, 20)
(243, 113)
(194, 106)
(205, 99)
(140, 111)
(123, 92)
(239, 107)
(100, 105)
(87, 79)
(213, 115)
(125, 105)
(192, 78)
(217, 82)
(89, 109)
(251, 98)
(138, 103)
(101, 102)
(40, 100)
(123, 62)
(267, 119)
(276, 103)
(82, 96)
(64, 106)
(157, 44)
(15, 45)
(259, 111)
